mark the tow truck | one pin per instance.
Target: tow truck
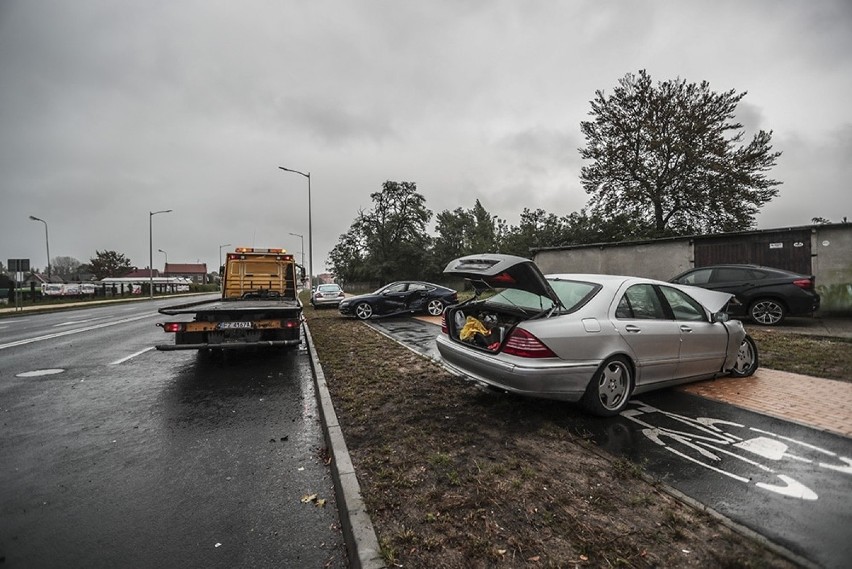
(259, 306)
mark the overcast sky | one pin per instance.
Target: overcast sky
(110, 110)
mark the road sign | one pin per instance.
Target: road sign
(18, 265)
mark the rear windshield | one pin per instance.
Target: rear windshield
(328, 288)
(573, 295)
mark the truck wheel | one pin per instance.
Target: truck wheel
(363, 311)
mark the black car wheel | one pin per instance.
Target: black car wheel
(435, 307)
(610, 388)
(363, 311)
(767, 311)
(746, 363)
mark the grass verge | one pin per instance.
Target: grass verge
(455, 477)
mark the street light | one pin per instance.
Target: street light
(167, 259)
(310, 231)
(151, 215)
(302, 237)
(220, 256)
(46, 241)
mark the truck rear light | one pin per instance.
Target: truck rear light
(291, 323)
(806, 284)
(523, 344)
(174, 327)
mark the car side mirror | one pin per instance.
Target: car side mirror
(720, 317)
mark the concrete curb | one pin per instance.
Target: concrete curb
(362, 545)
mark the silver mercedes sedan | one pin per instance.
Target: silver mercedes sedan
(596, 339)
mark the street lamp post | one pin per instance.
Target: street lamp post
(46, 241)
(220, 256)
(302, 237)
(166, 255)
(310, 230)
(151, 215)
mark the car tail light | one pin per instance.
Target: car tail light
(806, 284)
(174, 327)
(291, 323)
(523, 344)
(444, 329)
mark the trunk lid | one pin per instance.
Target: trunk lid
(494, 270)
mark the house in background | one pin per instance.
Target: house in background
(195, 271)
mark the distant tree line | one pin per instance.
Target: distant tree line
(663, 160)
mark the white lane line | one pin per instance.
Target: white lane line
(73, 322)
(131, 356)
(74, 331)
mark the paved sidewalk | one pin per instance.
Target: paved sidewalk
(822, 403)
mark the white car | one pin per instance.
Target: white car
(597, 339)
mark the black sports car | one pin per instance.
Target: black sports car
(401, 297)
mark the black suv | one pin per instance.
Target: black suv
(764, 294)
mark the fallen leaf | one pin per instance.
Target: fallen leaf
(321, 502)
(534, 558)
(309, 498)
(583, 558)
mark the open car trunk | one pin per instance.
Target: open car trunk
(487, 325)
(481, 326)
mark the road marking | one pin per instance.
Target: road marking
(74, 331)
(74, 322)
(40, 372)
(131, 356)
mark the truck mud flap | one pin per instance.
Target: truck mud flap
(227, 346)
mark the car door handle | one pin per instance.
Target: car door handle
(685, 328)
(633, 329)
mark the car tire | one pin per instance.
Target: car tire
(767, 311)
(747, 359)
(608, 392)
(435, 307)
(363, 311)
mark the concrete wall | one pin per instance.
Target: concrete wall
(656, 260)
(831, 263)
(831, 250)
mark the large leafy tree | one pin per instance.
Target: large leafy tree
(109, 264)
(389, 241)
(670, 154)
(465, 231)
(65, 267)
(537, 229)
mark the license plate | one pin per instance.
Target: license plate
(233, 325)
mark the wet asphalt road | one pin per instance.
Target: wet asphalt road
(116, 455)
(787, 482)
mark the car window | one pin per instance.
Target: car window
(329, 288)
(731, 274)
(398, 287)
(701, 276)
(417, 286)
(640, 302)
(572, 294)
(521, 298)
(683, 306)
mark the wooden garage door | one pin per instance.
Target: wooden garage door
(790, 250)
